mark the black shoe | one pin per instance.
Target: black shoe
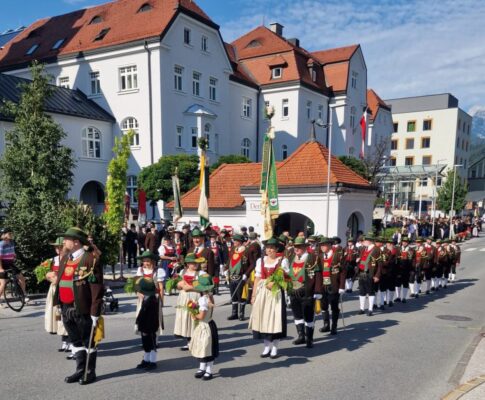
(404, 300)
(80, 366)
(199, 374)
(91, 375)
(433, 289)
(233, 315)
(151, 366)
(63, 348)
(361, 312)
(427, 292)
(391, 304)
(185, 348)
(300, 328)
(382, 307)
(142, 365)
(416, 296)
(370, 313)
(207, 377)
(265, 355)
(275, 356)
(71, 357)
(326, 327)
(375, 307)
(398, 300)
(90, 378)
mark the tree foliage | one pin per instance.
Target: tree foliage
(229, 159)
(36, 172)
(355, 164)
(156, 179)
(445, 194)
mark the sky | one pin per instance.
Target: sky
(411, 48)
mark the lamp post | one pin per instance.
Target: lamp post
(452, 211)
(435, 193)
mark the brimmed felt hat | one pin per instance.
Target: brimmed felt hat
(283, 238)
(337, 240)
(196, 232)
(59, 242)
(419, 240)
(238, 237)
(405, 239)
(76, 233)
(299, 241)
(439, 241)
(325, 240)
(370, 238)
(274, 242)
(192, 258)
(350, 239)
(253, 235)
(312, 238)
(213, 233)
(203, 283)
(147, 254)
(379, 239)
(146, 286)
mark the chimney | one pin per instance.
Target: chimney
(277, 28)
(295, 42)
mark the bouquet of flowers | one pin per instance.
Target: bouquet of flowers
(42, 270)
(192, 307)
(129, 286)
(280, 281)
(171, 284)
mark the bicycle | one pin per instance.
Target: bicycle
(13, 293)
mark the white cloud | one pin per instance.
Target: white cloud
(411, 47)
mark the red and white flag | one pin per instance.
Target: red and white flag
(363, 129)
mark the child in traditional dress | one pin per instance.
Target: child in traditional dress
(168, 255)
(184, 324)
(205, 340)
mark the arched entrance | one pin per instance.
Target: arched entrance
(92, 194)
(355, 224)
(294, 223)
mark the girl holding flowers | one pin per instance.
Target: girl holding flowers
(184, 324)
(268, 316)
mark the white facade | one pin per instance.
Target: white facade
(379, 130)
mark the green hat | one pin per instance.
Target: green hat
(148, 254)
(439, 241)
(325, 240)
(380, 239)
(274, 242)
(196, 232)
(146, 286)
(238, 237)
(390, 241)
(419, 240)
(350, 239)
(76, 233)
(59, 242)
(370, 238)
(299, 241)
(253, 235)
(337, 240)
(203, 283)
(192, 258)
(430, 238)
(283, 238)
(405, 239)
(312, 238)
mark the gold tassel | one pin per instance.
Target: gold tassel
(318, 307)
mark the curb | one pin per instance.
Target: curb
(465, 388)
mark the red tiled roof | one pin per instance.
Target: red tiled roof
(374, 102)
(260, 42)
(122, 18)
(337, 76)
(336, 55)
(307, 166)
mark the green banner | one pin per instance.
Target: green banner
(272, 185)
(267, 145)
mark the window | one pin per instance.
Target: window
(466, 147)
(131, 186)
(216, 143)
(178, 72)
(64, 82)
(425, 143)
(276, 72)
(96, 20)
(245, 147)
(193, 138)
(459, 124)
(285, 112)
(468, 129)
(128, 124)
(351, 151)
(204, 43)
(213, 89)
(409, 161)
(128, 78)
(355, 75)
(411, 126)
(144, 8)
(352, 117)
(102, 34)
(457, 143)
(320, 112)
(392, 161)
(58, 44)
(426, 160)
(246, 111)
(395, 127)
(196, 84)
(409, 144)
(180, 135)
(284, 152)
(439, 182)
(313, 74)
(464, 126)
(309, 110)
(207, 132)
(95, 84)
(32, 49)
(187, 36)
(394, 144)
(91, 142)
(423, 182)
(427, 125)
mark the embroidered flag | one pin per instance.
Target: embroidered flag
(363, 129)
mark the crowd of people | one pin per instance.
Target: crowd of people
(308, 275)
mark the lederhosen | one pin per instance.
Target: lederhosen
(237, 265)
(331, 269)
(416, 272)
(303, 274)
(404, 266)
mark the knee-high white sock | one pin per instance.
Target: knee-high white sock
(390, 296)
(404, 293)
(208, 369)
(153, 356)
(453, 276)
(428, 285)
(411, 288)
(378, 298)
(398, 292)
(274, 349)
(202, 366)
(267, 346)
(371, 302)
(362, 302)
(347, 284)
(146, 357)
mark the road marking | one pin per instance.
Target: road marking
(471, 249)
(482, 249)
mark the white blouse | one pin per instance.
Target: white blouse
(158, 274)
(258, 272)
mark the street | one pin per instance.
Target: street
(412, 351)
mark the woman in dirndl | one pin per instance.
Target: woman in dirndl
(52, 319)
(184, 324)
(204, 345)
(268, 316)
(148, 270)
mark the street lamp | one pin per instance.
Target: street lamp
(452, 211)
(435, 193)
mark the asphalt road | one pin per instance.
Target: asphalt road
(410, 352)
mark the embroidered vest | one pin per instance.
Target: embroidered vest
(169, 251)
(327, 269)
(267, 272)
(235, 263)
(365, 260)
(66, 283)
(297, 270)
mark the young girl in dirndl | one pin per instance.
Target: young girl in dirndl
(204, 345)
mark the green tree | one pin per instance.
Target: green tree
(355, 164)
(36, 172)
(445, 194)
(229, 159)
(156, 179)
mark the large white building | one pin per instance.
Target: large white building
(431, 135)
(161, 67)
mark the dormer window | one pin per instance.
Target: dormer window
(58, 44)
(33, 34)
(32, 49)
(102, 34)
(313, 74)
(276, 73)
(96, 20)
(254, 43)
(145, 7)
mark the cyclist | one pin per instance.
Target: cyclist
(7, 262)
